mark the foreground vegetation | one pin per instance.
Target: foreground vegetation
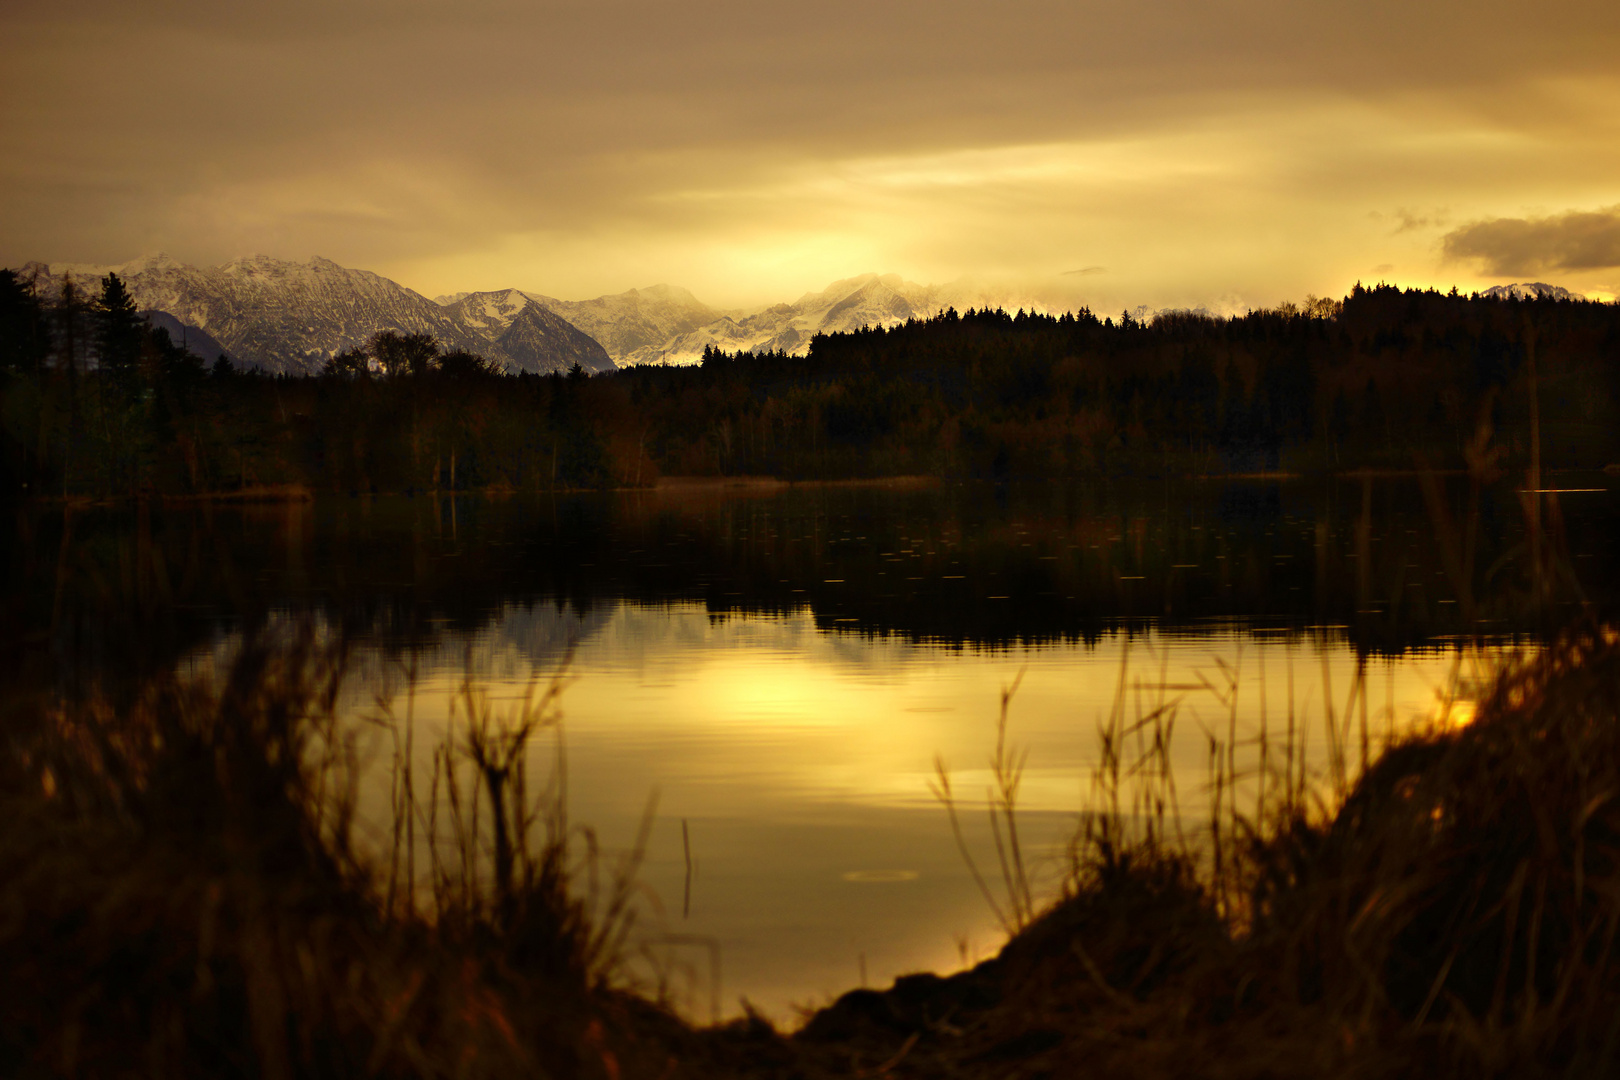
(97, 404)
(188, 893)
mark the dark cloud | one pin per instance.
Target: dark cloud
(1510, 247)
(1086, 271)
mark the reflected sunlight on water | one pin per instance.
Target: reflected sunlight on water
(799, 762)
(782, 667)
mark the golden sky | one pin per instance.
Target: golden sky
(1169, 153)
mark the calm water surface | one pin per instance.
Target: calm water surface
(800, 761)
(782, 668)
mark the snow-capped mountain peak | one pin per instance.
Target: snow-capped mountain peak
(529, 332)
(636, 325)
(492, 311)
(1532, 290)
(847, 304)
(290, 317)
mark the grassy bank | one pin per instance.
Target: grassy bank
(189, 893)
(1452, 911)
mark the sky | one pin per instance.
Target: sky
(1217, 152)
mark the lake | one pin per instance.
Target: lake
(782, 668)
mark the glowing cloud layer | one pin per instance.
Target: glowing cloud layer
(1250, 150)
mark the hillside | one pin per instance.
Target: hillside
(289, 317)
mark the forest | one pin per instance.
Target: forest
(97, 404)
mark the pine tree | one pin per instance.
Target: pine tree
(119, 331)
(23, 336)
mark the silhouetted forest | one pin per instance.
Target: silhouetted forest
(98, 404)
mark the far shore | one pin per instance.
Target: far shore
(686, 486)
(772, 483)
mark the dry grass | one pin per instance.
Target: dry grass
(185, 897)
(1449, 909)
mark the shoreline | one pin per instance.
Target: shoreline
(762, 485)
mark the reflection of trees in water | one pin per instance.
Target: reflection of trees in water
(521, 638)
(95, 591)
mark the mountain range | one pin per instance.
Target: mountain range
(1533, 290)
(850, 304)
(291, 317)
(635, 326)
(667, 324)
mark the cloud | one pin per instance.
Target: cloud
(752, 150)
(1412, 221)
(1509, 247)
(1086, 271)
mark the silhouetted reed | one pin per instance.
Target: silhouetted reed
(1006, 772)
(1447, 905)
(190, 891)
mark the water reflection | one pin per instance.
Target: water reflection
(783, 666)
(798, 760)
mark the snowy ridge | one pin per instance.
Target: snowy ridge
(635, 326)
(291, 317)
(667, 324)
(1534, 290)
(850, 304)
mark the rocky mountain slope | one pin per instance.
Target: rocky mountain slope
(634, 326)
(290, 317)
(535, 337)
(665, 324)
(1532, 290)
(850, 304)
(198, 342)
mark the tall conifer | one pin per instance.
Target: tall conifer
(119, 330)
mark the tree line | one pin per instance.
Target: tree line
(97, 403)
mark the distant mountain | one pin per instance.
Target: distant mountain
(290, 317)
(199, 342)
(632, 326)
(669, 325)
(536, 338)
(635, 326)
(1535, 290)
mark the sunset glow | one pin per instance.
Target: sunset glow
(1227, 157)
(720, 539)
(803, 762)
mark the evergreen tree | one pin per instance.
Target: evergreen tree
(120, 331)
(177, 365)
(23, 407)
(23, 338)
